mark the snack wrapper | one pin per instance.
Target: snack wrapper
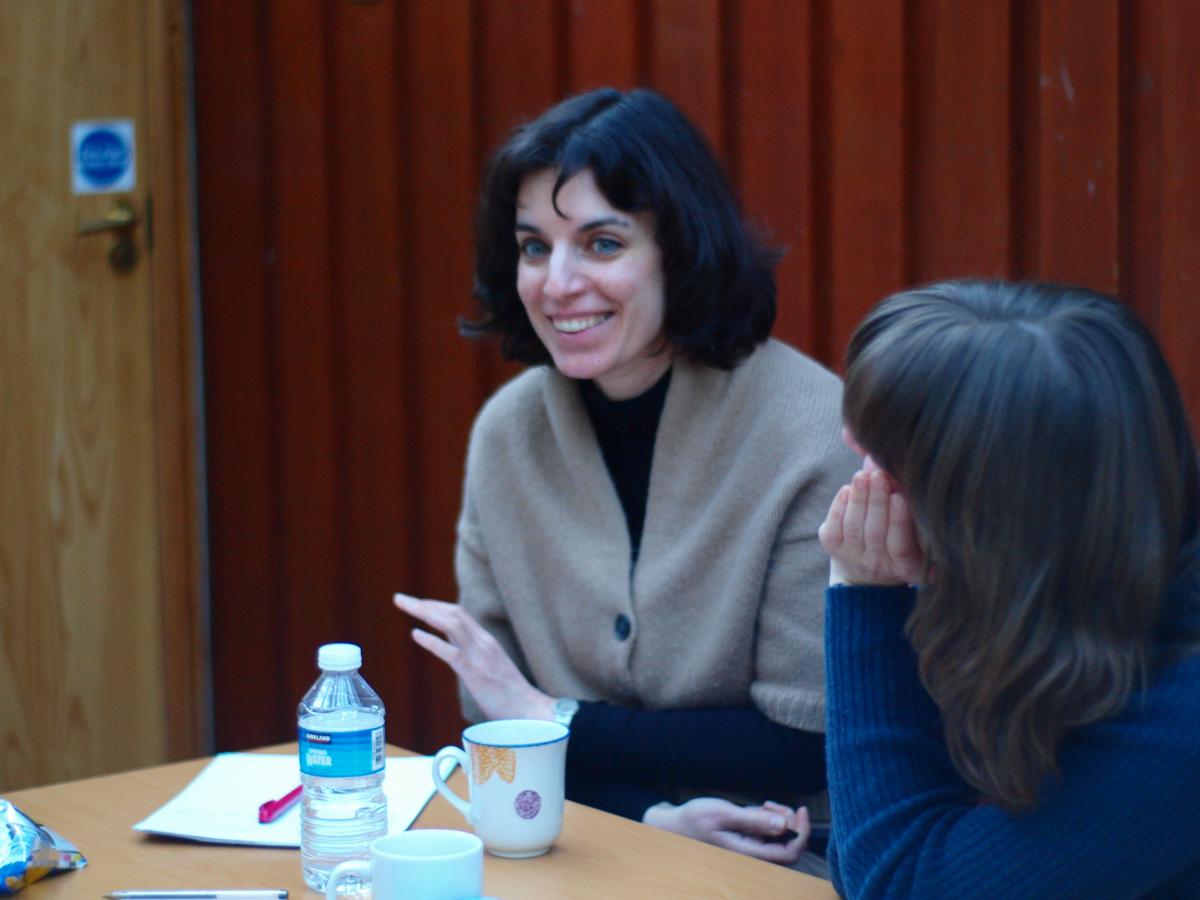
(29, 851)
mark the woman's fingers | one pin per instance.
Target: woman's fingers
(482, 665)
(425, 610)
(830, 532)
(869, 533)
(856, 510)
(449, 618)
(756, 831)
(465, 648)
(781, 854)
(443, 650)
(802, 825)
(875, 519)
(902, 544)
(772, 806)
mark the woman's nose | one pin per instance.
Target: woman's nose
(560, 274)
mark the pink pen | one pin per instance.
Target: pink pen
(273, 809)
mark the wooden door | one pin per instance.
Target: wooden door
(98, 549)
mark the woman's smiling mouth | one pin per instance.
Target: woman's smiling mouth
(582, 323)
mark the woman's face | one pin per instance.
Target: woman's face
(591, 281)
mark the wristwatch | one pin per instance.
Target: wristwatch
(564, 710)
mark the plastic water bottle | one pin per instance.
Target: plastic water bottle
(341, 765)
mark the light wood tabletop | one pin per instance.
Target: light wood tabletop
(597, 856)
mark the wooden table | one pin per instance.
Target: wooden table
(597, 856)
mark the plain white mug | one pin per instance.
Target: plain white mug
(423, 864)
(516, 770)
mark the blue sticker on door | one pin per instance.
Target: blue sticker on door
(103, 160)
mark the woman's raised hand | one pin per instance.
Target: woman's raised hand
(869, 532)
(486, 671)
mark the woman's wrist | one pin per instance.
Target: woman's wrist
(838, 577)
(539, 706)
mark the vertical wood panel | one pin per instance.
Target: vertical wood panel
(1141, 172)
(774, 134)
(443, 370)
(1026, 139)
(232, 155)
(522, 65)
(866, 216)
(302, 330)
(1078, 158)
(189, 713)
(603, 41)
(685, 60)
(376, 430)
(1179, 316)
(960, 138)
(522, 69)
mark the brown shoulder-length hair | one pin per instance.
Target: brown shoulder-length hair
(1044, 448)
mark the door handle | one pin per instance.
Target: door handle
(121, 219)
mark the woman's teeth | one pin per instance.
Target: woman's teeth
(572, 326)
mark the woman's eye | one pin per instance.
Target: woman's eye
(605, 246)
(534, 248)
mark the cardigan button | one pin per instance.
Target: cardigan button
(622, 627)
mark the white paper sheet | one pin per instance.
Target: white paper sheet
(220, 805)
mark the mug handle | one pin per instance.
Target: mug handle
(439, 781)
(359, 867)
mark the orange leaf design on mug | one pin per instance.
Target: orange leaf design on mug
(486, 760)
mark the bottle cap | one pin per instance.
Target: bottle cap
(339, 657)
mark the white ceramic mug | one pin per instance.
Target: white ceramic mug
(515, 769)
(423, 864)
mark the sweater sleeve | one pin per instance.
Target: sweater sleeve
(614, 794)
(1121, 819)
(702, 749)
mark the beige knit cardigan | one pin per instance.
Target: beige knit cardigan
(726, 599)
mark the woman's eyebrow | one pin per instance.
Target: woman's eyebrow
(586, 226)
(604, 223)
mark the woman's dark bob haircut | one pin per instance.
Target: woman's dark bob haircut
(645, 156)
(1045, 451)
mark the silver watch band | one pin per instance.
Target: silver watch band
(564, 710)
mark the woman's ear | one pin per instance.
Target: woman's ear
(849, 440)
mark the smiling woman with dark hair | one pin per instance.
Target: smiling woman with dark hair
(637, 549)
(643, 156)
(1026, 722)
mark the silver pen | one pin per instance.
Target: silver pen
(199, 895)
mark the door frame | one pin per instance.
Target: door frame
(178, 416)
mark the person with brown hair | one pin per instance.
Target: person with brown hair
(1013, 622)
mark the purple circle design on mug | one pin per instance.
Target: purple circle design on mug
(528, 804)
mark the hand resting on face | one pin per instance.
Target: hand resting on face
(869, 532)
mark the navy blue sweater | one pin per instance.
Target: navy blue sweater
(1122, 820)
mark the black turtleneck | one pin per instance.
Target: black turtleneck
(625, 430)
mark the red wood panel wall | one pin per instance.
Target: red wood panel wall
(882, 142)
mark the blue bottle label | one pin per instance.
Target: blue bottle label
(337, 754)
